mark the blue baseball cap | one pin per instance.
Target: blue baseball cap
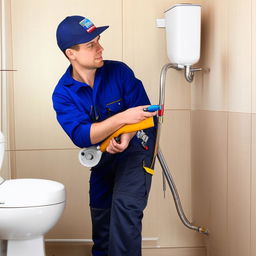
(75, 30)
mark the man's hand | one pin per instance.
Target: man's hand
(136, 114)
(118, 147)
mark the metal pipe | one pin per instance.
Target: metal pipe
(161, 103)
(175, 195)
(189, 73)
(158, 153)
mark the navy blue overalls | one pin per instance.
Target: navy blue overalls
(119, 185)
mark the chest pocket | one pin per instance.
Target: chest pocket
(114, 107)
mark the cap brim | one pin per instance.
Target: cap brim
(87, 38)
(96, 32)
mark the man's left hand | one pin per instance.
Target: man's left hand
(118, 147)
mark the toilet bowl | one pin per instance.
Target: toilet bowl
(29, 208)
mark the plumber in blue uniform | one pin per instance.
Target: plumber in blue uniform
(92, 100)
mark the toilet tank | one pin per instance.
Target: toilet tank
(183, 33)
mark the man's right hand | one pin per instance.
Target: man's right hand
(136, 114)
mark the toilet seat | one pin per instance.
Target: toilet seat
(30, 193)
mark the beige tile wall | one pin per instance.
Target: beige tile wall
(210, 89)
(227, 34)
(239, 55)
(239, 183)
(209, 143)
(253, 151)
(253, 187)
(223, 129)
(253, 57)
(6, 93)
(223, 179)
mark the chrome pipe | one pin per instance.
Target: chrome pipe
(162, 82)
(157, 152)
(161, 103)
(175, 195)
(189, 73)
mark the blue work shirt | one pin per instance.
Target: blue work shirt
(77, 105)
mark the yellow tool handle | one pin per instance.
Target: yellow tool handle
(147, 123)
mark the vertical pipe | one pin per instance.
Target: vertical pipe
(161, 103)
(159, 155)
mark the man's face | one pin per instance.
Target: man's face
(89, 55)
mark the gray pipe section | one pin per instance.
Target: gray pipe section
(160, 157)
(161, 103)
(175, 195)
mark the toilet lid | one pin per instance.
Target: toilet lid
(31, 193)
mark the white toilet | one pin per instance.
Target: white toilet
(29, 208)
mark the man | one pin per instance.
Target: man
(92, 100)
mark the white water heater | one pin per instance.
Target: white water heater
(183, 33)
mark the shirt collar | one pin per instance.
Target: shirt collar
(69, 81)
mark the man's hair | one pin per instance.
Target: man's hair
(74, 47)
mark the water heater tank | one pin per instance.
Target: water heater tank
(183, 33)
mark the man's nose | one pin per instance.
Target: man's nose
(99, 47)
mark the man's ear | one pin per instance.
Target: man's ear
(70, 53)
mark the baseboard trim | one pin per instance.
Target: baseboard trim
(174, 251)
(82, 247)
(147, 242)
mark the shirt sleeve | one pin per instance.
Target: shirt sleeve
(75, 122)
